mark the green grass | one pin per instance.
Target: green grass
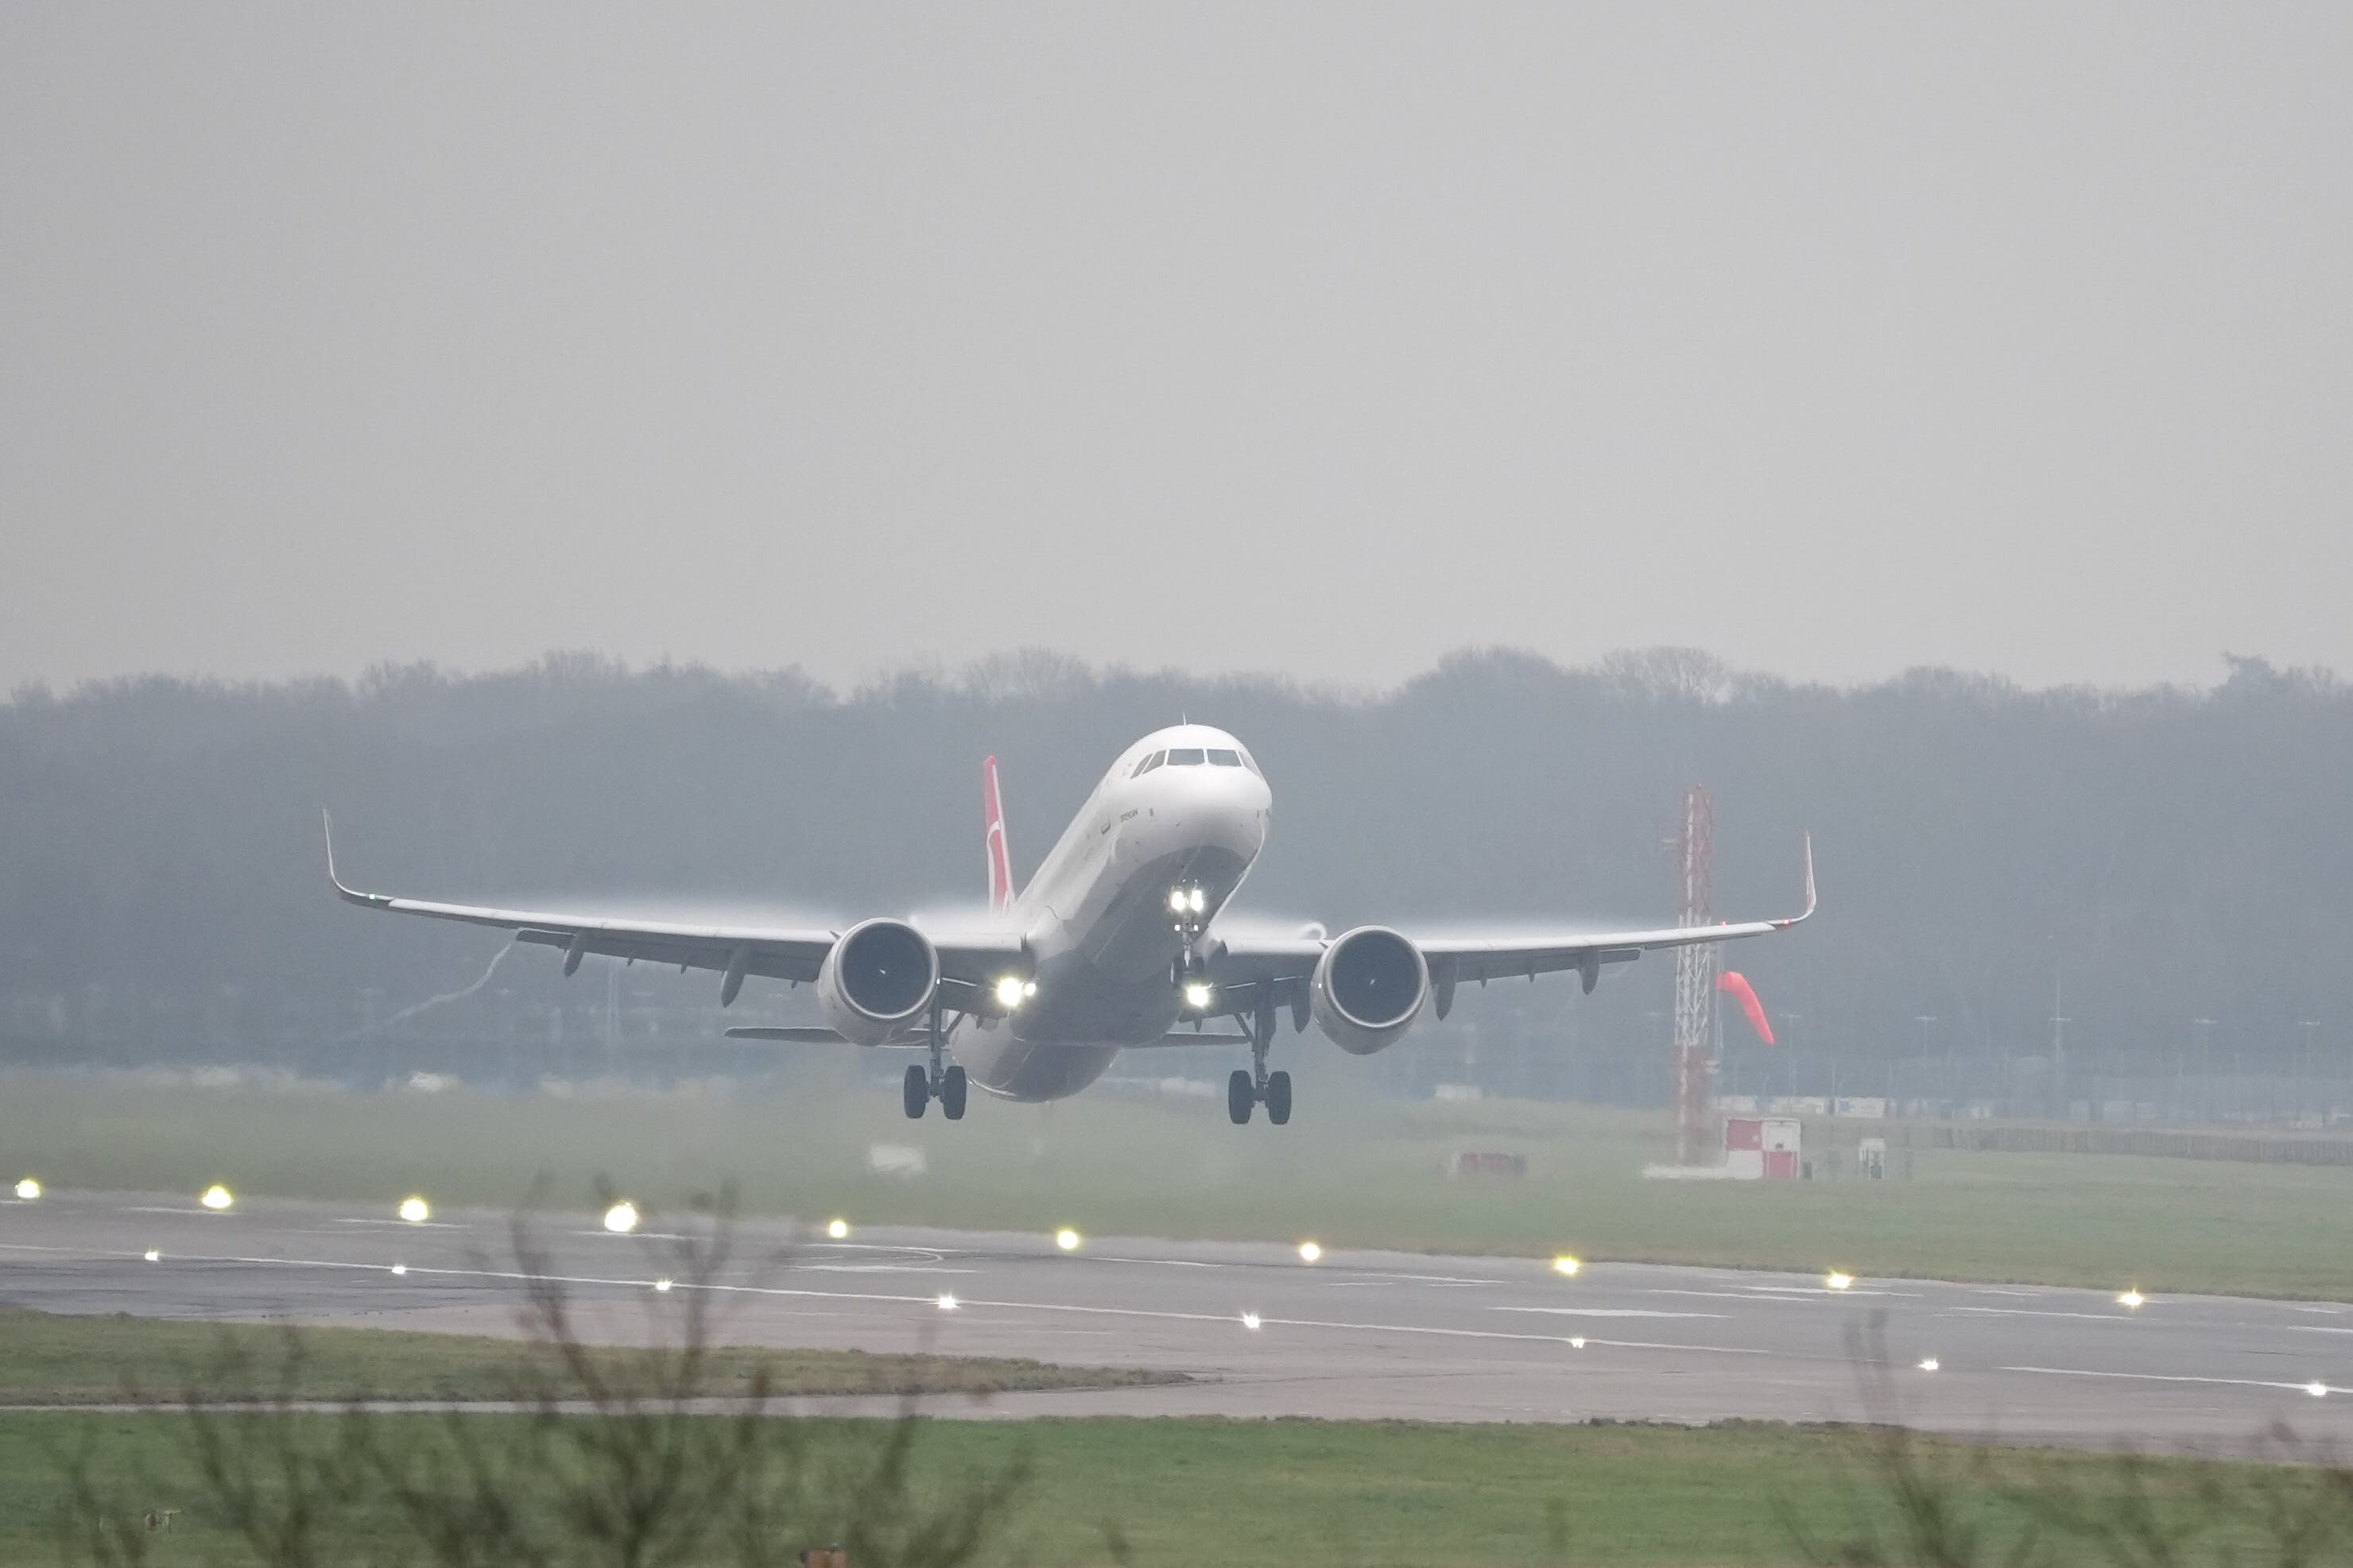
(60, 1360)
(1298, 1493)
(1349, 1171)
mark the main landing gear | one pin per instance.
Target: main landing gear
(946, 1084)
(921, 1089)
(1254, 1086)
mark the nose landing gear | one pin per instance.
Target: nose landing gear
(1254, 1086)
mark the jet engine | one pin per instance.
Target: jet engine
(1369, 987)
(878, 979)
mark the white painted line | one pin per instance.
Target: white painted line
(879, 1268)
(2123, 1317)
(2304, 1388)
(1607, 1312)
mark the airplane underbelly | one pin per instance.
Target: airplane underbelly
(1004, 1064)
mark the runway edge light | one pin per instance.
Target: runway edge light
(621, 1218)
(216, 1198)
(415, 1210)
(838, 1229)
(29, 1189)
(1309, 1252)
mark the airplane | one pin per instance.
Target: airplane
(1113, 945)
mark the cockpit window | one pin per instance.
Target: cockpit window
(1148, 764)
(1251, 764)
(1224, 759)
(1185, 756)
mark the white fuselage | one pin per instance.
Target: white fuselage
(1097, 917)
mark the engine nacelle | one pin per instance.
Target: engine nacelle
(1368, 989)
(878, 979)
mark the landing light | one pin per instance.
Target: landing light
(1067, 1239)
(1197, 994)
(2131, 1299)
(1564, 1263)
(838, 1230)
(621, 1218)
(416, 1211)
(29, 1189)
(1177, 899)
(1839, 1281)
(1199, 900)
(216, 1198)
(1009, 993)
(1309, 1252)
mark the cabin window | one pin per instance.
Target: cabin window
(1224, 759)
(1185, 756)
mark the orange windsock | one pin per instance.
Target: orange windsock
(1736, 985)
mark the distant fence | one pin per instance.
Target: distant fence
(2165, 1142)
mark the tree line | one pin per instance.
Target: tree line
(1990, 857)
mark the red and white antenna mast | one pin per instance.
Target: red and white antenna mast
(1696, 968)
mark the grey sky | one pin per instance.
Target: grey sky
(1320, 339)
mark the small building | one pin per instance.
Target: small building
(1761, 1147)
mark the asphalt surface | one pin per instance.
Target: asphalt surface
(1264, 1331)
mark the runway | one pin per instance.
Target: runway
(1261, 1331)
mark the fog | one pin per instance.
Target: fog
(1323, 340)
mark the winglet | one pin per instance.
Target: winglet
(374, 900)
(1786, 925)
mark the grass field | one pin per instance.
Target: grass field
(1349, 1171)
(57, 1359)
(1182, 1493)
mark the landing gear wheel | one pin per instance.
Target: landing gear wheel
(951, 1092)
(1278, 1098)
(1239, 1097)
(918, 1093)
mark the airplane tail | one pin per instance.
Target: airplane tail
(1000, 860)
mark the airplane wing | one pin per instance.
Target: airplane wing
(1282, 966)
(732, 951)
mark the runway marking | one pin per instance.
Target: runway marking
(932, 1301)
(2318, 1328)
(1609, 1312)
(881, 1268)
(2043, 1312)
(401, 1224)
(2303, 1388)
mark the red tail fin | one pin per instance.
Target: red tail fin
(1000, 860)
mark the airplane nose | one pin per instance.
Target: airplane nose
(1227, 807)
